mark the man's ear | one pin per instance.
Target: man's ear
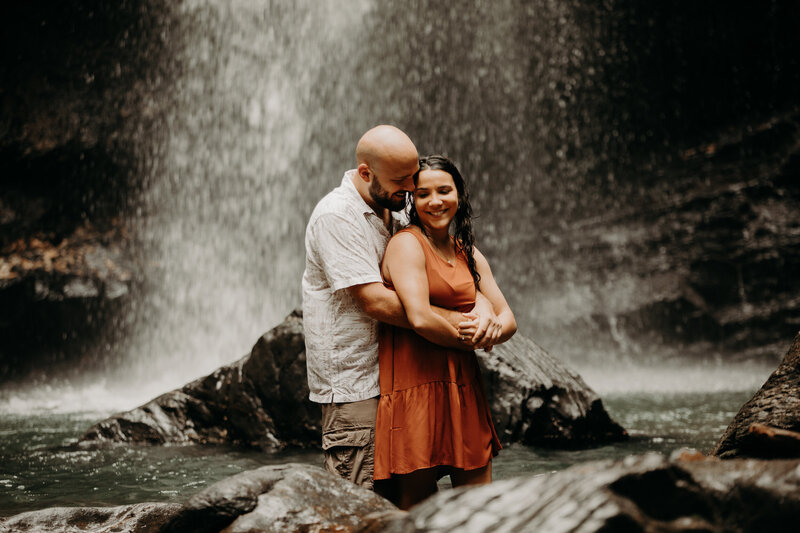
(364, 172)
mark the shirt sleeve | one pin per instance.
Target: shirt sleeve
(343, 252)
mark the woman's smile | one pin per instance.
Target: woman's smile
(436, 198)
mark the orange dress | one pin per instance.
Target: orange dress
(433, 409)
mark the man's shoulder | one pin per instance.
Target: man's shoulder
(337, 202)
(332, 213)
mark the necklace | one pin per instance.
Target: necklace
(439, 252)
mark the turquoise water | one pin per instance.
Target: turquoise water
(38, 469)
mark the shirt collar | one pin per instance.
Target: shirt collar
(347, 183)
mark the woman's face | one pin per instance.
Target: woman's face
(436, 199)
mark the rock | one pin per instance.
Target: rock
(637, 493)
(779, 442)
(776, 404)
(537, 400)
(138, 518)
(59, 297)
(262, 401)
(280, 498)
(693, 269)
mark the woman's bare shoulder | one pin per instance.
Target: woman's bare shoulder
(404, 241)
(404, 254)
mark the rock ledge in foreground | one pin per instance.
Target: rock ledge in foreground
(137, 518)
(637, 493)
(278, 498)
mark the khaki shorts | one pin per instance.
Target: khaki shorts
(348, 440)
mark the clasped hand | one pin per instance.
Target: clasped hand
(479, 331)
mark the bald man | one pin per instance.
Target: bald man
(344, 297)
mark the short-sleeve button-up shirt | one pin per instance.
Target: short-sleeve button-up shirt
(345, 241)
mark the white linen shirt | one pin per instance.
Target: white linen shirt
(345, 241)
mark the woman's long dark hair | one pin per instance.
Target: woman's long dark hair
(462, 233)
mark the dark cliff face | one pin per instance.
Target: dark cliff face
(77, 82)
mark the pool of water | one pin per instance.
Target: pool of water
(39, 469)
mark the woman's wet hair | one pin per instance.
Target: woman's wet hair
(462, 222)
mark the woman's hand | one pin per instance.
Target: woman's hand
(479, 332)
(467, 327)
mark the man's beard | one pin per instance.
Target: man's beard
(380, 196)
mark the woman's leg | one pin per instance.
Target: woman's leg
(385, 488)
(479, 476)
(410, 489)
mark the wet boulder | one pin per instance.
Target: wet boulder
(279, 498)
(259, 401)
(262, 401)
(138, 518)
(768, 426)
(536, 399)
(637, 493)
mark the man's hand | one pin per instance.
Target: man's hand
(467, 327)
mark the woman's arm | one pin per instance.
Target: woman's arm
(492, 292)
(404, 266)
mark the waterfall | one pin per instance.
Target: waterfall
(237, 167)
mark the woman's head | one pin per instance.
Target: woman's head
(461, 221)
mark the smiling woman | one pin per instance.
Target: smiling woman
(437, 199)
(433, 419)
(442, 188)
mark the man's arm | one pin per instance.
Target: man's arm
(349, 263)
(384, 305)
(380, 303)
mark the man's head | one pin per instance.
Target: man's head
(387, 162)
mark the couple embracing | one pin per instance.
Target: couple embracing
(396, 299)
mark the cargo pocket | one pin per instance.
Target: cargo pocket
(352, 438)
(350, 455)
